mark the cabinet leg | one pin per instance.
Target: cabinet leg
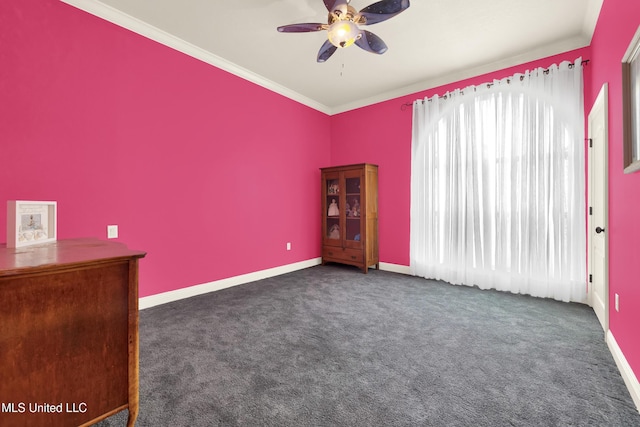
(133, 414)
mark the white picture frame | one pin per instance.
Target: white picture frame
(631, 105)
(31, 223)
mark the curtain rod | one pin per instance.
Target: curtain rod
(546, 71)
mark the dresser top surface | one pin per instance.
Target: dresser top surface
(61, 253)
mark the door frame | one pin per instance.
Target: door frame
(601, 102)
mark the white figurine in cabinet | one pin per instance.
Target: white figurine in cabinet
(333, 208)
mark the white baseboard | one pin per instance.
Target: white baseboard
(395, 268)
(178, 294)
(628, 376)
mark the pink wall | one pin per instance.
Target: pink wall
(617, 24)
(382, 135)
(208, 173)
(212, 175)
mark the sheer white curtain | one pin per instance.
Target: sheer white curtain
(498, 185)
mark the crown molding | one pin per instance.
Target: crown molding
(142, 28)
(591, 18)
(513, 61)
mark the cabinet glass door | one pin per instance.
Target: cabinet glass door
(352, 209)
(332, 204)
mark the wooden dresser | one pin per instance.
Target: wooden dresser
(68, 333)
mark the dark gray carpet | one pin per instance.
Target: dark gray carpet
(330, 346)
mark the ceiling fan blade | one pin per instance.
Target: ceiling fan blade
(301, 28)
(333, 4)
(381, 11)
(326, 51)
(371, 43)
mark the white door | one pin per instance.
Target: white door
(598, 229)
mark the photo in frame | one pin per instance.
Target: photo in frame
(631, 105)
(31, 223)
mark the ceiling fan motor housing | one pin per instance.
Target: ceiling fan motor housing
(343, 12)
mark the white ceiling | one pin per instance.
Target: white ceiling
(434, 42)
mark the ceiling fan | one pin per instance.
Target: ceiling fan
(342, 26)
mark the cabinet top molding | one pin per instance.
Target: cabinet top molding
(354, 166)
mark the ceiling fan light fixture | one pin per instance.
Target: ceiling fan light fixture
(343, 33)
(342, 26)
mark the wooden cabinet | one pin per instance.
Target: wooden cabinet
(69, 334)
(350, 215)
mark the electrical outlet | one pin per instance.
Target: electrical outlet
(112, 231)
(617, 302)
(288, 246)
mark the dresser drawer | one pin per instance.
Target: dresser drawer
(340, 254)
